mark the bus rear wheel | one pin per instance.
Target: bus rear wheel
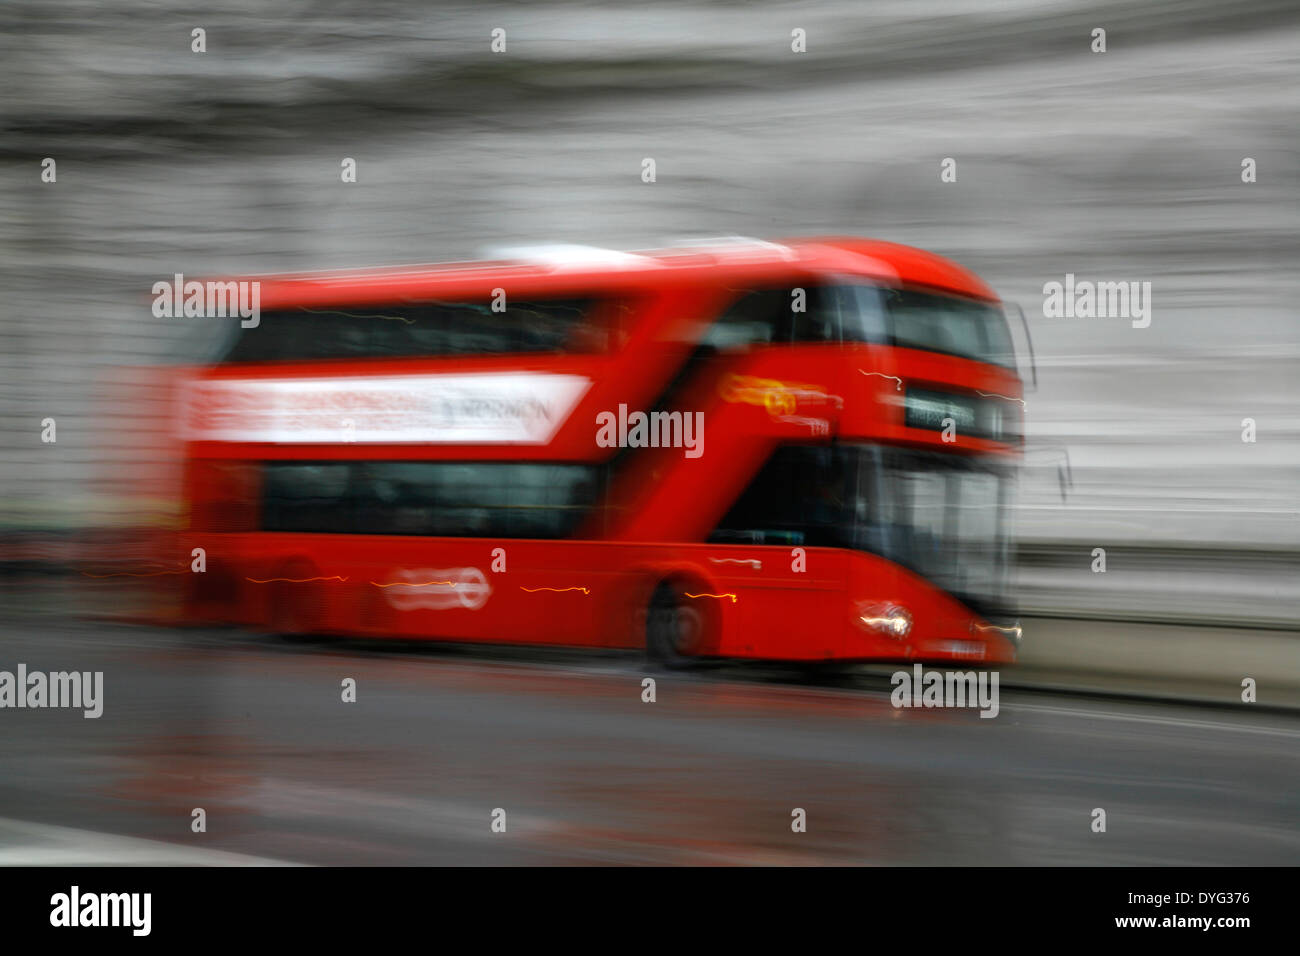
(674, 630)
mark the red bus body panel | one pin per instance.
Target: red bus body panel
(593, 590)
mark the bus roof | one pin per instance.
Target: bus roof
(567, 268)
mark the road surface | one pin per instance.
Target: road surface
(254, 731)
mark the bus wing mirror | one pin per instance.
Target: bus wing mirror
(1064, 470)
(1064, 475)
(1029, 341)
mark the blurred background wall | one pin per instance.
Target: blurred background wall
(1115, 166)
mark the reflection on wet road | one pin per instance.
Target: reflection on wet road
(255, 732)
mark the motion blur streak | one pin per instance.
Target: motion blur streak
(1123, 166)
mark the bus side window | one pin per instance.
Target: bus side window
(605, 329)
(826, 310)
(753, 319)
(862, 310)
(431, 498)
(798, 497)
(770, 317)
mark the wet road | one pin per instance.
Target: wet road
(255, 731)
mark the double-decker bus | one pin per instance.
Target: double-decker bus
(798, 450)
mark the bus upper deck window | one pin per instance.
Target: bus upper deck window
(796, 313)
(435, 328)
(750, 320)
(863, 315)
(819, 320)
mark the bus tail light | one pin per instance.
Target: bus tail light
(892, 620)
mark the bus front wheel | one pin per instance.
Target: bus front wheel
(675, 631)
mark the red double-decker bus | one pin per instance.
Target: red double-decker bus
(798, 450)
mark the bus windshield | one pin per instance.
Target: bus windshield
(944, 323)
(941, 516)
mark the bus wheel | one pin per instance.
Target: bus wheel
(674, 631)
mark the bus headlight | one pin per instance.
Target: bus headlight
(892, 620)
